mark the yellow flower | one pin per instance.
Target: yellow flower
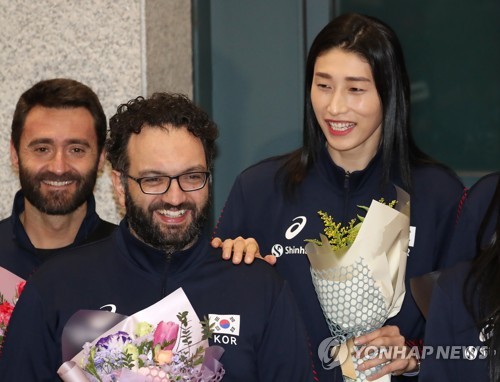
(143, 328)
(132, 350)
(342, 237)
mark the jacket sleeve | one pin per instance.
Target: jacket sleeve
(463, 242)
(283, 354)
(470, 230)
(438, 331)
(30, 351)
(446, 227)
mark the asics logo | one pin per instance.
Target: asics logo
(296, 228)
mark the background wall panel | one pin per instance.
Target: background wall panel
(115, 47)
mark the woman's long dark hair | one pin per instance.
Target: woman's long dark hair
(482, 288)
(378, 44)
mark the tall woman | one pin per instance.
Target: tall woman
(356, 145)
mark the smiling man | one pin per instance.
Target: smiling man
(172, 223)
(161, 150)
(57, 141)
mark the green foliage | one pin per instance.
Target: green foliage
(141, 352)
(340, 236)
(128, 360)
(90, 366)
(207, 328)
(186, 339)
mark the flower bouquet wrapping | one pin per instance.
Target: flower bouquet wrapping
(360, 281)
(11, 287)
(162, 343)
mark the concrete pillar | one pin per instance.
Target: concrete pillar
(121, 49)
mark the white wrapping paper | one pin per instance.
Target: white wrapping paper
(361, 286)
(164, 310)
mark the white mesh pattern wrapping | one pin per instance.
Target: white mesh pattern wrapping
(351, 301)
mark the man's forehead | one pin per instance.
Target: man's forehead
(166, 134)
(51, 111)
(171, 149)
(59, 124)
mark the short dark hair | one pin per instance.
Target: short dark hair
(159, 110)
(59, 93)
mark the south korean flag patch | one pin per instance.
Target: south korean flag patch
(225, 323)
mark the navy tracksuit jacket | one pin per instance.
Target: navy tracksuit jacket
(19, 256)
(123, 271)
(451, 333)
(256, 207)
(449, 322)
(467, 235)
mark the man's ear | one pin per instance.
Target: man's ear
(14, 158)
(118, 187)
(102, 160)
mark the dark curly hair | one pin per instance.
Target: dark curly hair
(59, 93)
(160, 110)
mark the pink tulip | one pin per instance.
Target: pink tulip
(166, 334)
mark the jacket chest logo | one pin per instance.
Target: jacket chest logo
(296, 228)
(226, 328)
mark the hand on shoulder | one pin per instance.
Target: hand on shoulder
(241, 249)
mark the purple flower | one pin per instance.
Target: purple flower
(165, 335)
(114, 340)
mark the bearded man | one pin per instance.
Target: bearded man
(161, 150)
(57, 140)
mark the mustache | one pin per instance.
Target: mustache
(167, 206)
(52, 177)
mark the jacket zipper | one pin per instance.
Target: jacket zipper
(164, 278)
(347, 194)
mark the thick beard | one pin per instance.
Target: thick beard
(169, 239)
(57, 202)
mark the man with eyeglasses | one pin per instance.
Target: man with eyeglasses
(161, 150)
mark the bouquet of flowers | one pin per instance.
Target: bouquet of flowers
(11, 287)
(136, 350)
(358, 273)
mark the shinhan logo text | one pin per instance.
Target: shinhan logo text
(278, 250)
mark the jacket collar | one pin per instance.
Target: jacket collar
(19, 234)
(153, 260)
(336, 175)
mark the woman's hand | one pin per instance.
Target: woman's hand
(392, 351)
(240, 248)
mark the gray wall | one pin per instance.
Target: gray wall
(121, 49)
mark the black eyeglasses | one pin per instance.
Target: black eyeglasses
(157, 185)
